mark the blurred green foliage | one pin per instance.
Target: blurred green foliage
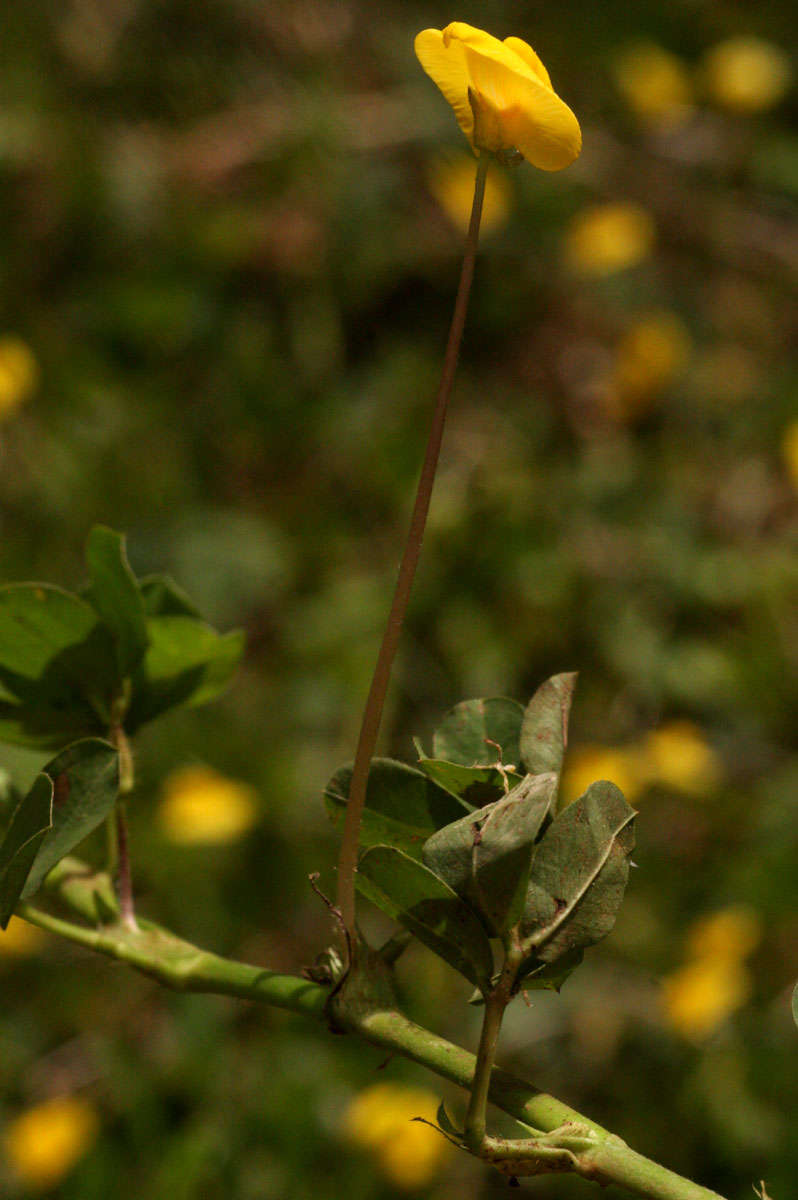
(223, 255)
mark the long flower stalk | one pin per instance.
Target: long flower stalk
(372, 715)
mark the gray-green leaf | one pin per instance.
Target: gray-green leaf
(579, 874)
(413, 895)
(403, 807)
(544, 729)
(479, 732)
(486, 856)
(475, 786)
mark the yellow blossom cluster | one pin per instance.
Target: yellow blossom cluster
(44, 1143)
(714, 980)
(676, 756)
(381, 1120)
(201, 806)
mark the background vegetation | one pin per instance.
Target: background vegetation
(231, 239)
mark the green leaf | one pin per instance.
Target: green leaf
(30, 824)
(187, 663)
(542, 976)
(445, 1123)
(486, 856)
(480, 732)
(544, 730)
(579, 874)
(411, 894)
(475, 786)
(85, 779)
(795, 1004)
(162, 597)
(403, 807)
(56, 672)
(115, 595)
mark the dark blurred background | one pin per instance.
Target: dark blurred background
(231, 237)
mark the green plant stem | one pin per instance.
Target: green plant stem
(182, 966)
(495, 1004)
(372, 715)
(124, 876)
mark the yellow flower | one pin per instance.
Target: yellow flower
(789, 450)
(501, 95)
(586, 764)
(451, 181)
(609, 237)
(699, 996)
(679, 756)
(654, 83)
(730, 934)
(19, 374)
(200, 806)
(649, 355)
(20, 939)
(45, 1142)
(380, 1119)
(746, 74)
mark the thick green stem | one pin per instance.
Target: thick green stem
(372, 715)
(183, 967)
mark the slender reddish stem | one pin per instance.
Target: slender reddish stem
(372, 715)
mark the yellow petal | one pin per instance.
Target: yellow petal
(527, 55)
(533, 119)
(446, 67)
(543, 128)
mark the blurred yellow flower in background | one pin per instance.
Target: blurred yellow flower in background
(731, 933)
(746, 74)
(654, 83)
(789, 451)
(19, 374)
(199, 805)
(44, 1143)
(451, 182)
(380, 1120)
(714, 981)
(650, 355)
(699, 996)
(586, 764)
(679, 756)
(609, 237)
(20, 939)
(501, 95)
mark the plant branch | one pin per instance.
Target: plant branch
(495, 1004)
(372, 715)
(184, 967)
(119, 739)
